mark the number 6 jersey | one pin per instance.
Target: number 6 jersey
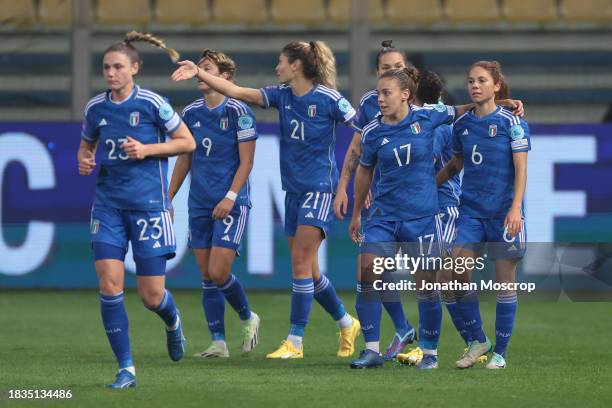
(487, 145)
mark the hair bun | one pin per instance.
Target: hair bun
(387, 43)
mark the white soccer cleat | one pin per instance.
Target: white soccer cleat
(250, 333)
(215, 350)
(497, 362)
(475, 350)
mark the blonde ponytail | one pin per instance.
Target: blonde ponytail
(134, 36)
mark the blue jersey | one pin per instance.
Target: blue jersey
(403, 153)
(368, 109)
(449, 192)
(487, 145)
(308, 136)
(124, 183)
(366, 112)
(217, 133)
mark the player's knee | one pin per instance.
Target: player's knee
(151, 297)
(218, 275)
(110, 284)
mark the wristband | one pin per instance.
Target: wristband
(231, 195)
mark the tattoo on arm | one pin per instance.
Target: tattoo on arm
(351, 164)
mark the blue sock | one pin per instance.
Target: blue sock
(455, 313)
(430, 319)
(115, 320)
(505, 313)
(470, 310)
(325, 294)
(166, 309)
(369, 311)
(213, 303)
(392, 302)
(234, 293)
(301, 302)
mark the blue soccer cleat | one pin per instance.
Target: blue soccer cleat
(398, 344)
(428, 362)
(124, 379)
(368, 359)
(176, 341)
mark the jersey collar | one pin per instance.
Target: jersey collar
(129, 98)
(489, 116)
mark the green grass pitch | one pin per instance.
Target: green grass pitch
(560, 355)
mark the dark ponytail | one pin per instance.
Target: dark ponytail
(387, 47)
(407, 79)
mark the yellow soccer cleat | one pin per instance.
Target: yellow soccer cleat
(346, 339)
(412, 357)
(286, 351)
(482, 359)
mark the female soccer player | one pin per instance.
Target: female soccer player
(388, 58)
(219, 202)
(309, 107)
(491, 145)
(131, 202)
(405, 208)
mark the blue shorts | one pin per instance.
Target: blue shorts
(448, 218)
(417, 237)
(472, 233)
(313, 208)
(150, 232)
(206, 232)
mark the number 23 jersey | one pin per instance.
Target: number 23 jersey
(124, 183)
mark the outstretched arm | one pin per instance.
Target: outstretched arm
(188, 70)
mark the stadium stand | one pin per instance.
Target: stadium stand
(17, 13)
(593, 11)
(339, 11)
(191, 12)
(123, 13)
(532, 11)
(54, 13)
(561, 73)
(472, 11)
(289, 12)
(401, 12)
(247, 12)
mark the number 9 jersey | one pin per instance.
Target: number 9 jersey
(124, 183)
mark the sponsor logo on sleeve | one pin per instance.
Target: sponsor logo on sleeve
(344, 105)
(245, 122)
(166, 111)
(517, 132)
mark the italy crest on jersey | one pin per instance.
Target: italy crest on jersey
(415, 128)
(492, 130)
(312, 111)
(134, 119)
(223, 123)
(95, 226)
